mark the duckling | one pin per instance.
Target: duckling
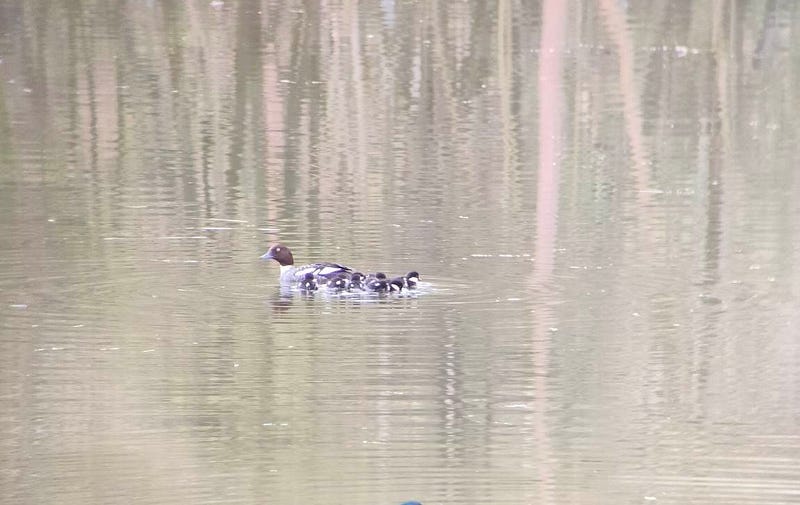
(307, 283)
(356, 281)
(411, 279)
(396, 284)
(339, 282)
(377, 283)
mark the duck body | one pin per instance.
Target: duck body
(291, 274)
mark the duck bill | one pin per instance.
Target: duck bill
(267, 256)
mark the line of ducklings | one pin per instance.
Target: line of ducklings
(358, 282)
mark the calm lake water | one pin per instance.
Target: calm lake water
(601, 196)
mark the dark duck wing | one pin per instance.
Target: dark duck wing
(323, 270)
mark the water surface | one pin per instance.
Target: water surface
(601, 197)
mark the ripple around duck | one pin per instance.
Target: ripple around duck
(422, 289)
(436, 290)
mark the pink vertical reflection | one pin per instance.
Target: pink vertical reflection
(551, 109)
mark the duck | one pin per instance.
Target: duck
(396, 284)
(411, 279)
(376, 275)
(291, 274)
(377, 282)
(356, 282)
(307, 283)
(339, 282)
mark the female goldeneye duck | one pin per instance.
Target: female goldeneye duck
(307, 283)
(338, 283)
(377, 282)
(396, 284)
(411, 279)
(291, 274)
(356, 281)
